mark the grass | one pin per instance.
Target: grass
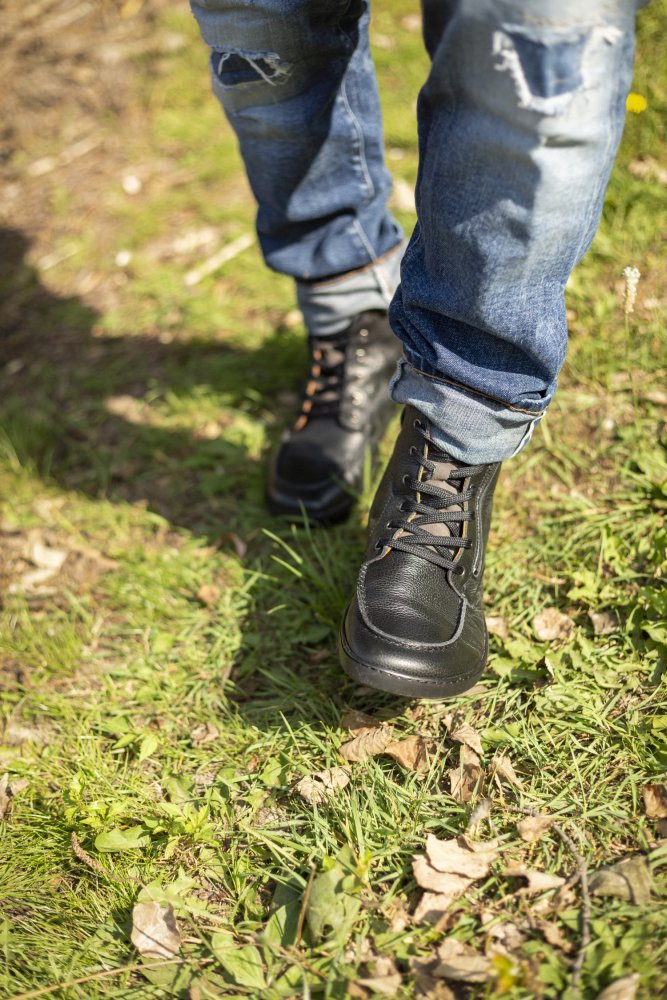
(136, 421)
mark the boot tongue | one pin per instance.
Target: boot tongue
(440, 478)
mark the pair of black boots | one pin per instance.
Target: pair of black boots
(415, 626)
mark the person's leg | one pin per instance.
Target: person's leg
(296, 81)
(519, 123)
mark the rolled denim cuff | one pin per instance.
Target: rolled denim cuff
(468, 426)
(329, 306)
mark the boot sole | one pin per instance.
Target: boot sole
(403, 684)
(333, 514)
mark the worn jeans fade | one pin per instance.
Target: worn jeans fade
(519, 121)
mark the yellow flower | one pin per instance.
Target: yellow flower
(636, 103)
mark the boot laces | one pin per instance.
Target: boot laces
(430, 505)
(322, 394)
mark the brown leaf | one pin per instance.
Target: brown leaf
(239, 546)
(443, 883)
(532, 827)
(604, 622)
(628, 879)
(208, 594)
(431, 907)
(397, 915)
(481, 812)
(537, 881)
(622, 989)
(386, 978)
(467, 735)
(358, 722)
(655, 801)
(154, 930)
(506, 934)
(460, 963)
(466, 779)
(497, 626)
(502, 766)
(204, 733)
(552, 624)
(5, 796)
(46, 557)
(368, 744)
(648, 168)
(553, 935)
(458, 857)
(410, 753)
(318, 788)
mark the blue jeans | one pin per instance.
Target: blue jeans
(519, 121)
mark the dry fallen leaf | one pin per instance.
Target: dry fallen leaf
(648, 168)
(46, 557)
(466, 779)
(458, 857)
(368, 744)
(386, 978)
(628, 879)
(460, 963)
(204, 733)
(532, 827)
(604, 622)
(502, 766)
(655, 801)
(239, 546)
(552, 624)
(5, 796)
(410, 753)
(537, 881)
(481, 812)
(154, 930)
(507, 934)
(427, 986)
(467, 735)
(403, 196)
(553, 935)
(443, 883)
(622, 989)
(358, 722)
(318, 788)
(208, 594)
(431, 907)
(496, 625)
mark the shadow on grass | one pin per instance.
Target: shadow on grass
(73, 406)
(73, 409)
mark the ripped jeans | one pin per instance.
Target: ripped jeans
(519, 122)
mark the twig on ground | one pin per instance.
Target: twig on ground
(581, 877)
(585, 919)
(106, 974)
(84, 856)
(227, 253)
(95, 864)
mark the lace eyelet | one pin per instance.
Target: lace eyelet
(378, 546)
(413, 450)
(405, 479)
(460, 571)
(418, 425)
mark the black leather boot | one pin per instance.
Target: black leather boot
(345, 407)
(415, 626)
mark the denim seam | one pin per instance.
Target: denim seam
(327, 282)
(477, 392)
